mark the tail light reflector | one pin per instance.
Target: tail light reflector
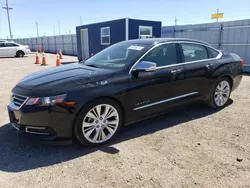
(242, 62)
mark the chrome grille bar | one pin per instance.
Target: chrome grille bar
(18, 101)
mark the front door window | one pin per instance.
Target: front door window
(162, 55)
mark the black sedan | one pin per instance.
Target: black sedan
(126, 82)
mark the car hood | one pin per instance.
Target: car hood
(60, 79)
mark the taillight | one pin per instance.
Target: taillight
(242, 62)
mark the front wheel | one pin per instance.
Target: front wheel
(19, 53)
(221, 93)
(98, 122)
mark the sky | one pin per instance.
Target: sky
(47, 13)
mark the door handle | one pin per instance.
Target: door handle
(209, 66)
(175, 71)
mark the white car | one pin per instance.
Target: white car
(12, 49)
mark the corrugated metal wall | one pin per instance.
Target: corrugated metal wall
(67, 43)
(233, 36)
(135, 24)
(117, 34)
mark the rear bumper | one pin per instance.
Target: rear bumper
(246, 69)
(236, 81)
(43, 123)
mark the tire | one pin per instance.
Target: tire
(19, 53)
(220, 94)
(91, 131)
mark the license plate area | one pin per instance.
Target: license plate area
(12, 116)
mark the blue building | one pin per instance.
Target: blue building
(93, 38)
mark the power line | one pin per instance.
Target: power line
(7, 8)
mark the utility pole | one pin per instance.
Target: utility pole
(175, 21)
(37, 32)
(59, 30)
(217, 13)
(81, 20)
(7, 8)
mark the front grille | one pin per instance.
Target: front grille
(18, 100)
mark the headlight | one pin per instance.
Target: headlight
(46, 101)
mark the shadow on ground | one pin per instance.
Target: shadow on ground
(13, 57)
(18, 153)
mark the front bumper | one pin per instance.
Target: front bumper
(27, 51)
(42, 122)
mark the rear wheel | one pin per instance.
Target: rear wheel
(19, 53)
(221, 93)
(98, 122)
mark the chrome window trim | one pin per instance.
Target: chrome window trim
(184, 63)
(166, 100)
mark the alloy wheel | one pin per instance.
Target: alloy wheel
(222, 93)
(100, 123)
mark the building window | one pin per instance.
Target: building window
(145, 31)
(105, 35)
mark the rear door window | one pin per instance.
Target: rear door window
(212, 53)
(9, 44)
(194, 52)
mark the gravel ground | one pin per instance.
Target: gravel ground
(193, 146)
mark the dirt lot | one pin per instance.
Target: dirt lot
(191, 147)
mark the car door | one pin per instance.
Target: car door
(155, 91)
(198, 62)
(3, 49)
(11, 48)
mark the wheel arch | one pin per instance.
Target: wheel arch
(97, 98)
(230, 79)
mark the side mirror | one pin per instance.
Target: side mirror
(144, 66)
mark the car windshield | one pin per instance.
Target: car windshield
(117, 55)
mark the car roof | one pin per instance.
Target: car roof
(153, 41)
(7, 41)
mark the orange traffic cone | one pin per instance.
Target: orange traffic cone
(44, 62)
(37, 58)
(58, 62)
(60, 54)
